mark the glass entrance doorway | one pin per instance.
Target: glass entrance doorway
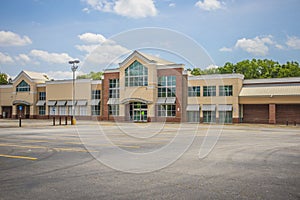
(138, 112)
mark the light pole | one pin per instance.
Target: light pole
(73, 68)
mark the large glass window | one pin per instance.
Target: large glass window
(193, 116)
(96, 110)
(62, 110)
(225, 90)
(96, 94)
(136, 75)
(194, 91)
(167, 86)
(166, 110)
(23, 87)
(209, 116)
(42, 95)
(42, 110)
(225, 117)
(82, 110)
(209, 91)
(114, 88)
(114, 110)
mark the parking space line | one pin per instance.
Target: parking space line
(18, 157)
(43, 147)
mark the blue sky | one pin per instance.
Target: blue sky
(43, 35)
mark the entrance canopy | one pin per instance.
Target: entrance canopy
(20, 102)
(129, 100)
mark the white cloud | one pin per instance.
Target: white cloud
(209, 4)
(103, 55)
(60, 75)
(5, 59)
(225, 49)
(92, 38)
(59, 58)
(128, 8)
(258, 46)
(23, 58)
(8, 38)
(212, 67)
(293, 42)
(172, 5)
(86, 48)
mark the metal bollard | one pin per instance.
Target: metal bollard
(53, 121)
(20, 121)
(287, 123)
(295, 123)
(66, 120)
(59, 120)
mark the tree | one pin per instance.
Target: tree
(254, 69)
(92, 75)
(3, 78)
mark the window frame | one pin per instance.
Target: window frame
(209, 91)
(194, 91)
(166, 110)
(96, 94)
(225, 90)
(166, 86)
(136, 75)
(114, 91)
(23, 86)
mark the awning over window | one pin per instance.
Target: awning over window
(208, 107)
(170, 100)
(161, 100)
(113, 101)
(51, 103)
(95, 102)
(193, 107)
(224, 107)
(81, 103)
(41, 103)
(70, 103)
(61, 103)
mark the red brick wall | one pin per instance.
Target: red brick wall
(179, 90)
(105, 93)
(256, 113)
(287, 112)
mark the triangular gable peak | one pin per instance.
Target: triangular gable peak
(32, 76)
(146, 58)
(134, 56)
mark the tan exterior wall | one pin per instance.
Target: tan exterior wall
(6, 96)
(236, 83)
(148, 93)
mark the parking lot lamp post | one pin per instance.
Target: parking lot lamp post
(73, 68)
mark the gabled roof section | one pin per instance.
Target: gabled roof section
(147, 58)
(33, 76)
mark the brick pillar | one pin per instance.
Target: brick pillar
(272, 113)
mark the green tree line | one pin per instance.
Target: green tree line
(255, 69)
(92, 75)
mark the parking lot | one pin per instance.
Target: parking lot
(41, 161)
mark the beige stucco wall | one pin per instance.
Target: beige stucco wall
(6, 96)
(64, 91)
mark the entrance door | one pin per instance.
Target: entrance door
(23, 111)
(138, 112)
